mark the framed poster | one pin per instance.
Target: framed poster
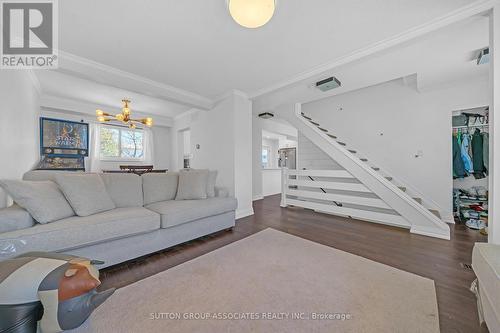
(63, 137)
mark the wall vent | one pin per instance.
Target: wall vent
(328, 84)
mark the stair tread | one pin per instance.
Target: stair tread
(332, 136)
(308, 118)
(376, 168)
(341, 143)
(388, 178)
(312, 122)
(364, 159)
(419, 200)
(322, 129)
(351, 151)
(402, 188)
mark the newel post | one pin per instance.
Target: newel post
(284, 186)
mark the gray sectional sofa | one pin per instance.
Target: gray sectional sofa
(146, 219)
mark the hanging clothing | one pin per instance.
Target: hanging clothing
(477, 154)
(464, 151)
(458, 162)
(486, 151)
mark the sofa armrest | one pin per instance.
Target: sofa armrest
(15, 218)
(221, 192)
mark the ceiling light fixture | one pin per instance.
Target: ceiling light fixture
(266, 115)
(123, 117)
(251, 13)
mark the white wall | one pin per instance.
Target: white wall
(266, 185)
(274, 146)
(243, 155)
(19, 109)
(390, 122)
(256, 158)
(224, 136)
(213, 132)
(310, 157)
(271, 181)
(161, 140)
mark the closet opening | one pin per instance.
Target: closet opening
(470, 162)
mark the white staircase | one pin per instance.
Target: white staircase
(360, 190)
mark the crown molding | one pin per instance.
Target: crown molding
(232, 92)
(98, 72)
(35, 81)
(186, 113)
(475, 8)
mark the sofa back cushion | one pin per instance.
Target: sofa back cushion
(15, 218)
(37, 175)
(125, 189)
(159, 186)
(42, 199)
(86, 193)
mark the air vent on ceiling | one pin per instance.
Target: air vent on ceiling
(328, 84)
(484, 56)
(266, 115)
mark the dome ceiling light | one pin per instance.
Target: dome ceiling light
(251, 13)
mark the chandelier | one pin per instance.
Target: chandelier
(123, 117)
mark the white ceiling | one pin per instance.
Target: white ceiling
(444, 57)
(272, 135)
(58, 84)
(195, 45)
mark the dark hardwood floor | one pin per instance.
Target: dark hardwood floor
(429, 257)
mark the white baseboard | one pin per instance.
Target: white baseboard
(447, 217)
(241, 213)
(257, 197)
(430, 233)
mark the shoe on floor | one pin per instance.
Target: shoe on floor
(475, 224)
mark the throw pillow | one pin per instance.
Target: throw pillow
(86, 193)
(192, 185)
(212, 177)
(42, 199)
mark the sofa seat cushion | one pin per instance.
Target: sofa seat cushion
(75, 232)
(175, 212)
(486, 265)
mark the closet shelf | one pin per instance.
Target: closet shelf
(471, 126)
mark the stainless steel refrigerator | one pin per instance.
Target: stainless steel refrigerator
(287, 157)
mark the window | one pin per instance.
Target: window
(265, 157)
(121, 143)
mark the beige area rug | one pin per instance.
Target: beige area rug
(273, 282)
